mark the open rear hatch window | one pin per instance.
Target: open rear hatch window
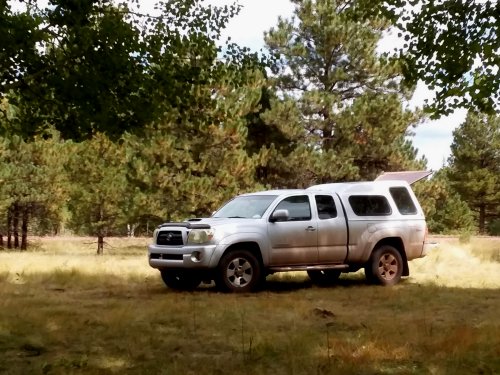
(409, 176)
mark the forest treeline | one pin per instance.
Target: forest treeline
(113, 121)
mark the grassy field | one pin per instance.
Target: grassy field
(64, 310)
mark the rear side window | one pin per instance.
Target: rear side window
(326, 207)
(403, 200)
(370, 205)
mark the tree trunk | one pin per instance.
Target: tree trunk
(24, 228)
(100, 245)
(131, 228)
(482, 218)
(9, 227)
(15, 225)
(1, 241)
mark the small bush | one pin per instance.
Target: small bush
(494, 227)
(464, 237)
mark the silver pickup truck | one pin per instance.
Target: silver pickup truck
(324, 230)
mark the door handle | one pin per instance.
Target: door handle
(310, 228)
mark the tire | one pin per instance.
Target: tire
(180, 279)
(324, 277)
(239, 272)
(385, 266)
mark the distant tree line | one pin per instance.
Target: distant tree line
(113, 121)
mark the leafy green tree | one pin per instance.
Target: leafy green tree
(86, 75)
(18, 45)
(94, 66)
(451, 45)
(475, 165)
(96, 169)
(336, 99)
(494, 227)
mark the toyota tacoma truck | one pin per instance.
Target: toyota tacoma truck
(324, 230)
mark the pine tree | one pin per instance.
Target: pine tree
(187, 168)
(475, 165)
(96, 169)
(339, 102)
(445, 211)
(32, 184)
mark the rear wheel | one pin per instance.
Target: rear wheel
(385, 266)
(239, 272)
(180, 279)
(323, 277)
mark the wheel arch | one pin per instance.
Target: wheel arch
(250, 246)
(398, 244)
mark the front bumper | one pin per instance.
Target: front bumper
(193, 256)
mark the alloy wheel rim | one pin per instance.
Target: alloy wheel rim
(388, 266)
(239, 272)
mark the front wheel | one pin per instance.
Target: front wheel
(239, 272)
(385, 266)
(180, 279)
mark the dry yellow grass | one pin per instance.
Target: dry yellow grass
(475, 264)
(123, 258)
(65, 310)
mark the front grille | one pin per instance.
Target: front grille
(170, 238)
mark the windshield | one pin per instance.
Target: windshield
(247, 207)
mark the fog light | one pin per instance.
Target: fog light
(196, 256)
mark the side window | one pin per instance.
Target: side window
(326, 207)
(298, 207)
(403, 200)
(370, 205)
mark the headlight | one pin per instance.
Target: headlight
(200, 236)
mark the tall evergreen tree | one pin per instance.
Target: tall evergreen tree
(188, 168)
(96, 169)
(445, 211)
(475, 165)
(339, 100)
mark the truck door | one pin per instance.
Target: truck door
(332, 230)
(295, 240)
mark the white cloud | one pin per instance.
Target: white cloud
(434, 137)
(256, 16)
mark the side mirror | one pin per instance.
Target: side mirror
(279, 215)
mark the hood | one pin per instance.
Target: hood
(214, 222)
(222, 221)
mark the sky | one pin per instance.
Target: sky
(432, 138)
